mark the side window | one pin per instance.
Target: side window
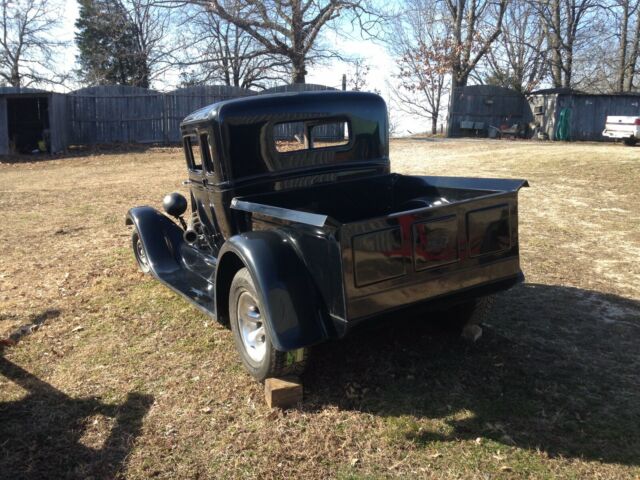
(290, 137)
(205, 150)
(296, 136)
(326, 135)
(192, 152)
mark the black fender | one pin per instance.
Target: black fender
(294, 313)
(161, 239)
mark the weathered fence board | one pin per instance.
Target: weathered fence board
(122, 114)
(180, 103)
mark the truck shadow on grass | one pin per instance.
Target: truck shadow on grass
(41, 434)
(557, 370)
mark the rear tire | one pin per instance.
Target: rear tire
(251, 336)
(630, 142)
(139, 252)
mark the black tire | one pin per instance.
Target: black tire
(472, 312)
(261, 364)
(139, 252)
(630, 142)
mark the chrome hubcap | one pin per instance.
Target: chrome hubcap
(142, 256)
(251, 327)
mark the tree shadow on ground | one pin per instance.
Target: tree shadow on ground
(558, 369)
(41, 434)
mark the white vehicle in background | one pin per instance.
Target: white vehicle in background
(626, 129)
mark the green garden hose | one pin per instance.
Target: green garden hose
(562, 131)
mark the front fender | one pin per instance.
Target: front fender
(161, 239)
(294, 314)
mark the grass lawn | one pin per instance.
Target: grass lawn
(122, 378)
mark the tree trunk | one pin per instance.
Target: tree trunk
(15, 75)
(458, 79)
(633, 57)
(298, 70)
(434, 125)
(568, 65)
(622, 53)
(555, 42)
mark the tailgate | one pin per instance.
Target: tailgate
(622, 124)
(425, 253)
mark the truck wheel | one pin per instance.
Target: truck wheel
(630, 142)
(257, 353)
(139, 252)
(468, 316)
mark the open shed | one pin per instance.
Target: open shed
(585, 114)
(476, 110)
(31, 119)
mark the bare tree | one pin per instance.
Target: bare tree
(423, 48)
(357, 77)
(475, 25)
(628, 42)
(27, 43)
(220, 51)
(288, 28)
(518, 57)
(567, 25)
(152, 24)
(125, 41)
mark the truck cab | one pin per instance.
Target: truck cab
(297, 231)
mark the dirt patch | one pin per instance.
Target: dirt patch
(128, 380)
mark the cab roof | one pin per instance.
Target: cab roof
(255, 108)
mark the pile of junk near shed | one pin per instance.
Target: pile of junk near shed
(551, 114)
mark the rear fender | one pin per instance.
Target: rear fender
(160, 237)
(293, 310)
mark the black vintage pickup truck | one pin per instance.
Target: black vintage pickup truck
(297, 230)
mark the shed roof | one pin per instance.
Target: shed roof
(572, 91)
(20, 90)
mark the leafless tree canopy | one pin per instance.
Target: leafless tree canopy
(131, 42)
(475, 25)
(153, 34)
(518, 58)
(219, 51)
(424, 49)
(27, 44)
(289, 28)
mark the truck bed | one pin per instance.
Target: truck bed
(402, 239)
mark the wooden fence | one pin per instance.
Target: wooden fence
(122, 114)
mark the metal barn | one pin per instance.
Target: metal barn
(475, 109)
(32, 120)
(585, 114)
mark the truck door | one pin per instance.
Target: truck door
(201, 172)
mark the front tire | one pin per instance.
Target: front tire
(251, 336)
(140, 252)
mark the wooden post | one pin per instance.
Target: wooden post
(282, 392)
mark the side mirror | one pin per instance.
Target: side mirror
(174, 204)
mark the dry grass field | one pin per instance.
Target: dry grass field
(114, 376)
